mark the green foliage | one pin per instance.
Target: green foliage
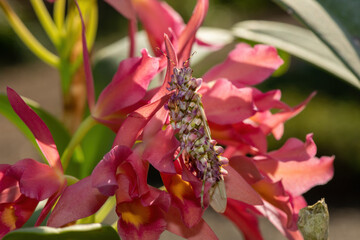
(297, 41)
(328, 29)
(87, 231)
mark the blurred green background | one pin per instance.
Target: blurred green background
(333, 115)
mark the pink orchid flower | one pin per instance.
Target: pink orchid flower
(280, 177)
(142, 209)
(27, 182)
(158, 19)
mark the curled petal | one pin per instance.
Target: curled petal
(246, 65)
(89, 201)
(104, 175)
(41, 132)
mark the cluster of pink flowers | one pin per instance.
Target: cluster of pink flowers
(258, 182)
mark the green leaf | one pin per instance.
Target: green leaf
(95, 145)
(87, 231)
(297, 41)
(328, 29)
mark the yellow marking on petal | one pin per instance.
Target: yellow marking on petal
(134, 213)
(180, 188)
(8, 218)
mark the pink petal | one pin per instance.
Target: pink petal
(246, 65)
(172, 62)
(295, 150)
(183, 198)
(300, 176)
(238, 189)
(104, 175)
(226, 104)
(240, 214)
(268, 100)
(187, 36)
(158, 18)
(37, 127)
(128, 86)
(87, 68)
(198, 232)
(273, 122)
(246, 167)
(274, 193)
(77, 201)
(37, 180)
(278, 219)
(125, 7)
(136, 121)
(159, 150)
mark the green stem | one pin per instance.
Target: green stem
(46, 21)
(80, 133)
(29, 40)
(105, 210)
(59, 14)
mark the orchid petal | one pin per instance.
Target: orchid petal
(172, 62)
(295, 150)
(67, 210)
(187, 36)
(15, 215)
(139, 221)
(200, 231)
(125, 7)
(244, 219)
(36, 180)
(128, 85)
(246, 65)
(136, 121)
(272, 122)
(246, 167)
(160, 150)
(226, 104)
(104, 175)
(41, 132)
(274, 193)
(158, 19)
(244, 192)
(278, 219)
(300, 176)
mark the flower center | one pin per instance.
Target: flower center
(8, 217)
(134, 213)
